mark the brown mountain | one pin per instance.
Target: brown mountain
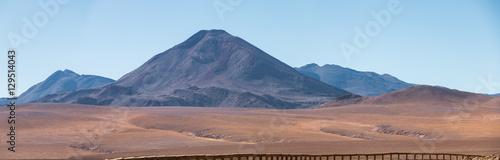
(211, 69)
(418, 95)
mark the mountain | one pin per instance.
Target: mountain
(212, 68)
(62, 81)
(493, 95)
(361, 83)
(422, 95)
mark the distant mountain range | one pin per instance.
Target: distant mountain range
(422, 94)
(493, 95)
(361, 83)
(210, 69)
(60, 81)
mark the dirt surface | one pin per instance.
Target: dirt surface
(83, 131)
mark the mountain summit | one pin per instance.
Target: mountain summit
(212, 68)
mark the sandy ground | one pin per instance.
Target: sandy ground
(80, 131)
(481, 147)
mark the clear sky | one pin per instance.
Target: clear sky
(451, 43)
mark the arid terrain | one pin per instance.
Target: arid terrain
(250, 80)
(84, 131)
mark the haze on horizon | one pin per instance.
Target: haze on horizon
(447, 43)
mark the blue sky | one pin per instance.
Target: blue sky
(451, 43)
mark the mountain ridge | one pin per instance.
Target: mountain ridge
(421, 94)
(60, 80)
(212, 68)
(358, 82)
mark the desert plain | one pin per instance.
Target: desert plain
(60, 131)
